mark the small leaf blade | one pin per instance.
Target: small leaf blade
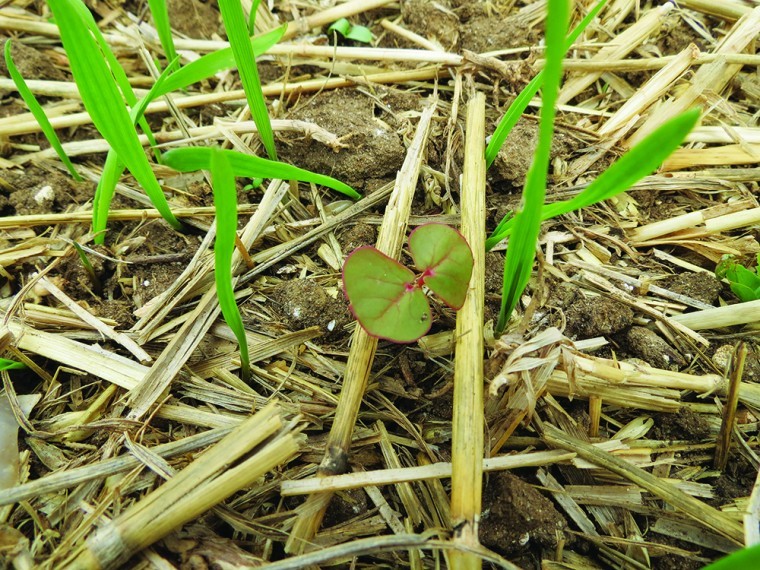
(445, 259)
(188, 159)
(38, 112)
(384, 298)
(225, 202)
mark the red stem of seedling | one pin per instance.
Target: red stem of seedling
(419, 280)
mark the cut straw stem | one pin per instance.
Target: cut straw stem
(702, 513)
(723, 445)
(467, 446)
(419, 473)
(201, 485)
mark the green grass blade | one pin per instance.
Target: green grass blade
(189, 159)
(522, 248)
(518, 106)
(101, 201)
(38, 112)
(6, 364)
(113, 168)
(637, 163)
(103, 100)
(116, 70)
(237, 33)
(225, 202)
(169, 81)
(163, 27)
(214, 62)
(252, 17)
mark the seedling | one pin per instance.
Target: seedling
(7, 364)
(525, 225)
(38, 112)
(104, 89)
(97, 287)
(387, 298)
(351, 32)
(745, 283)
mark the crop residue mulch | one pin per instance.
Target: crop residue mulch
(605, 402)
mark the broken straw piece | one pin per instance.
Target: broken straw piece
(9, 438)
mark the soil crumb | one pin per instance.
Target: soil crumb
(373, 148)
(358, 235)
(597, 316)
(195, 18)
(31, 63)
(700, 286)
(685, 424)
(303, 303)
(649, 346)
(518, 517)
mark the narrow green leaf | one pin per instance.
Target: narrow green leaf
(252, 17)
(518, 106)
(237, 33)
(161, 19)
(213, 62)
(6, 364)
(113, 64)
(521, 253)
(38, 112)
(634, 165)
(225, 202)
(384, 297)
(445, 259)
(103, 100)
(189, 159)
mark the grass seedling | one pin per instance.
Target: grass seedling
(745, 283)
(38, 112)
(634, 165)
(161, 20)
(518, 106)
(97, 75)
(225, 202)
(225, 166)
(6, 364)
(357, 33)
(97, 287)
(387, 298)
(237, 33)
(519, 261)
(190, 159)
(638, 162)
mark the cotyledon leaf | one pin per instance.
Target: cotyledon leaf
(384, 296)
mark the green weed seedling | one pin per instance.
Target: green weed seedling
(6, 364)
(524, 226)
(225, 166)
(387, 298)
(97, 287)
(745, 283)
(357, 33)
(38, 112)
